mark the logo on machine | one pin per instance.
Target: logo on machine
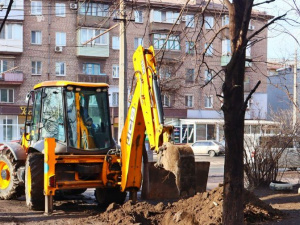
(143, 67)
(131, 122)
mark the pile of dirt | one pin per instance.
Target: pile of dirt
(203, 208)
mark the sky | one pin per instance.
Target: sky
(282, 45)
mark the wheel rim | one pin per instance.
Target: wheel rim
(28, 182)
(4, 181)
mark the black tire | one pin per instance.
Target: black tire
(106, 196)
(212, 153)
(34, 181)
(74, 191)
(10, 186)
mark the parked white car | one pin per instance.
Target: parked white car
(208, 147)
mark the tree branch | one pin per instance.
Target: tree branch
(265, 26)
(250, 95)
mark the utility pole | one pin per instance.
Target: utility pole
(122, 69)
(295, 105)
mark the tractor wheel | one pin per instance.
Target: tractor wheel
(105, 196)
(34, 181)
(10, 186)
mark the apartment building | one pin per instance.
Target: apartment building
(46, 40)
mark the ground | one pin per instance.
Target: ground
(204, 207)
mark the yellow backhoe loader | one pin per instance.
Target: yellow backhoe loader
(68, 145)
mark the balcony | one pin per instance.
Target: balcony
(11, 78)
(16, 12)
(103, 78)
(93, 21)
(157, 27)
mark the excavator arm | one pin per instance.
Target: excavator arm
(146, 114)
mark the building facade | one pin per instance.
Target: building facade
(49, 40)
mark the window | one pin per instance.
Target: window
(209, 101)
(164, 16)
(60, 69)
(60, 39)
(209, 22)
(36, 7)
(225, 20)
(36, 37)
(189, 21)
(12, 31)
(86, 34)
(6, 3)
(138, 16)
(190, 75)
(7, 95)
(115, 42)
(137, 42)
(94, 9)
(115, 71)
(226, 48)
(3, 66)
(60, 9)
(248, 50)
(189, 47)
(36, 67)
(209, 49)
(189, 101)
(166, 100)
(7, 129)
(115, 99)
(173, 43)
(207, 76)
(165, 72)
(91, 68)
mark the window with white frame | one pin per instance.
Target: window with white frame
(91, 68)
(115, 71)
(173, 43)
(6, 95)
(138, 41)
(189, 101)
(60, 68)
(116, 42)
(225, 20)
(36, 67)
(226, 48)
(164, 16)
(166, 100)
(165, 72)
(138, 16)
(8, 129)
(36, 37)
(12, 31)
(209, 101)
(190, 21)
(115, 98)
(87, 33)
(60, 39)
(209, 49)
(60, 9)
(248, 50)
(190, 75)
(189, 47)
(207, 76)
(209, 22)
(36, 7)
(94, 9)
(3, 66)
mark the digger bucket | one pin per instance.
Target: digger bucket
(175, 174)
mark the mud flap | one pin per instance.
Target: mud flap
(180, 160)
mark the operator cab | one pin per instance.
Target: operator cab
(76, 114)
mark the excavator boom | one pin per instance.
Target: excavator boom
(146, 114)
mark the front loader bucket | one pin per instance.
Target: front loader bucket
(180, 160)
